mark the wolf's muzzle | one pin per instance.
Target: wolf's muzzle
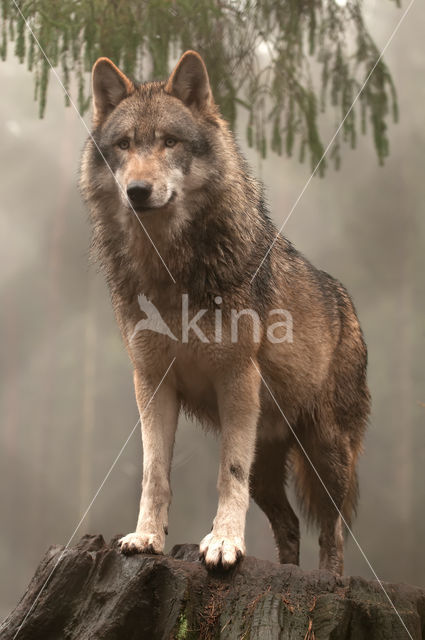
(138, 193)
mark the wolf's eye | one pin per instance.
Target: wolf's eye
(124, 144)
(170, 142)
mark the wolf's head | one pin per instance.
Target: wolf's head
(160, 140)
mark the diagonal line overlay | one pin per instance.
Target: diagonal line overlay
(91, 136)
(253, 277)
(333, 138)
(331, 499)
(90, 505)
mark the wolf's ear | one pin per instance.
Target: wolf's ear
(189, 81)
(110, 86)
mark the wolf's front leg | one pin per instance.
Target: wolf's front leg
(158, 413)
(238, 398)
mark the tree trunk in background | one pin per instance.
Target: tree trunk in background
(89, 412)
(95, 593)
(49, 399)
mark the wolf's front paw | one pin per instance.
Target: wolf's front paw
(221, 551)
(141, 543)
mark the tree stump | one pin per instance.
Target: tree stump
(96, 593)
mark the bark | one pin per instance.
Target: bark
(96, 593)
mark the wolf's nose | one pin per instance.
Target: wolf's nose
(138, 192)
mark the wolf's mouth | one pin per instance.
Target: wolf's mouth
(146, 208)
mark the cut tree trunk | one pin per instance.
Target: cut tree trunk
(95, 593)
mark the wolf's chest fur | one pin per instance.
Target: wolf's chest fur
(199, 342)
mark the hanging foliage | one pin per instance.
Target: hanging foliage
(285, 62)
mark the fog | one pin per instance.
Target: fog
(67, 402)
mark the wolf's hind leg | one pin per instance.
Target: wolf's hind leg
(334, 460)
(268, 476)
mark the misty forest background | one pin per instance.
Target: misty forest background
(66, 396)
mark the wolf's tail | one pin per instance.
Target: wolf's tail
(323, 484)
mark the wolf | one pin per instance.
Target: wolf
(175, 211)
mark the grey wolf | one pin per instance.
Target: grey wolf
(173, 162)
